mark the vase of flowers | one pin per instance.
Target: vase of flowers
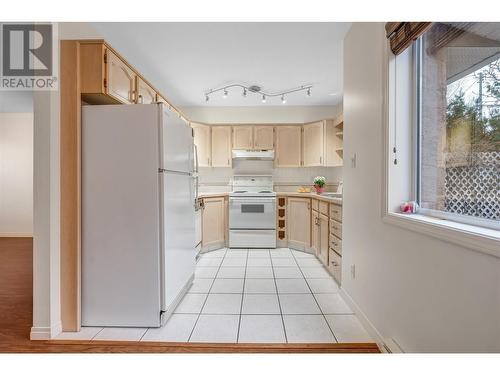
(319, 184)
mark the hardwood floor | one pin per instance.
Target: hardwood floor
(16, 306)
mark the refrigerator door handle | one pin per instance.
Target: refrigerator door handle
(196, 165)
(196, 189)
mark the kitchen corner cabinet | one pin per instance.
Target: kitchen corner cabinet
(299, 222)
(263, 137)
(221, 146)
(213, 222)
(313, 144)
(242, 137)
(202, 142)
(288, 146)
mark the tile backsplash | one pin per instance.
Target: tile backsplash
(285, 179)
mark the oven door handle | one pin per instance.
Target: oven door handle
(252, 200)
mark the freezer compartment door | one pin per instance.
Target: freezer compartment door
(252, 238)
(178, 237)
(177, 147)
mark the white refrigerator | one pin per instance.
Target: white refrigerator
(138, 225)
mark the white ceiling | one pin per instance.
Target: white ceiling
(183, 60)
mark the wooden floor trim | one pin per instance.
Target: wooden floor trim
(60, 346)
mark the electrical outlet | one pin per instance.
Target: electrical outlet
(353, 271)
(353, 161)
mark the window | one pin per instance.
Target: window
(458, 121)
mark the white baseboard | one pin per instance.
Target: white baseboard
(46, 333)
(385, 345)
(56, 329)
(40, 333)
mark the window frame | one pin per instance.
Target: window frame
(471, 237)
(417, 62)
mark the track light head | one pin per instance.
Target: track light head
(283, 99)
(263, 98)
(244, 92)
(225, 94)
(207, 98)
(309, 91)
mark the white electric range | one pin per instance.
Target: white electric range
(252, 213)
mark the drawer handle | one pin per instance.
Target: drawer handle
(335, 264)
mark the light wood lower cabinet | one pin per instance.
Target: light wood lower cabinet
(299, 222)
(319, 236)
(335, 265)
(323, 239)
(213, 222)
(315, 234)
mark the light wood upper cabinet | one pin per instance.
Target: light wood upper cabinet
(334, 134)
(221, 146)
(242, 137)
(145, 94)
(213, 221)
(120, 82)
(313, 144)
(288, 146)
(202, 142)
(263, 137)
(299, 222)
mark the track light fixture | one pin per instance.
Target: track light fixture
(257, 90)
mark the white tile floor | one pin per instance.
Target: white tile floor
(267, 296)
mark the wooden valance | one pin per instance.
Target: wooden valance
(401, 35)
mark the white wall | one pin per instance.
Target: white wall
(426, 294)
(261, 115)
(16, 101)
(16, 174)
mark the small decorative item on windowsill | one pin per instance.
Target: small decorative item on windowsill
(410, 207)
(319, 184)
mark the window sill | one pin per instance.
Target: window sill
(479, 239)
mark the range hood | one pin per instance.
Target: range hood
(253, 155)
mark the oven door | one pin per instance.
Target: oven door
(252, 213)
